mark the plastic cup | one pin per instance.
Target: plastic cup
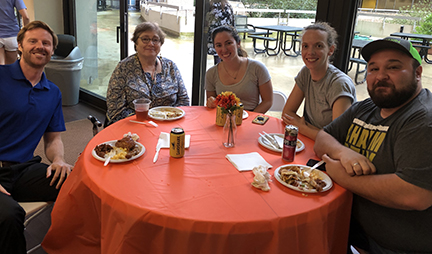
(141, 109)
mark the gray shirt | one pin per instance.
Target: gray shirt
(320, 95)
(398, 144)
(247, 89)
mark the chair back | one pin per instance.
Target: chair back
(279, 100)
(240, 21)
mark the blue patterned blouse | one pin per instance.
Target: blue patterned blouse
(129, 82)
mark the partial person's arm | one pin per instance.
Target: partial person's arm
(327, 144)
(266, 93)
(211, 97)
(24, 15)
(182, 96)
(3, 190)
(116, 98)
(340, 105)
(290, 117)
(54, 151)
(384, 189)
(210, 87)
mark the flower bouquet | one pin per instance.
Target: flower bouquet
(227, 103)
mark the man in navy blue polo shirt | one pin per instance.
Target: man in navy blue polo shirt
(30, 109)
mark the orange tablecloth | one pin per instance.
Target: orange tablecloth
(196, 204)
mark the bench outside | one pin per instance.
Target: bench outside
(259, 37)
(359, 62)
(265, 39)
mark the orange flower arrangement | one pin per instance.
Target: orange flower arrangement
(228, 101)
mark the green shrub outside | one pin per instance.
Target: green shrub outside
(422, 10)
(309, 5)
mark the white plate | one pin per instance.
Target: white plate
(158, 113)
(245, 114)
(266, 144)
(112, 143)
(321, 174)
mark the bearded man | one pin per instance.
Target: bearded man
(30, 109)
(380, 150)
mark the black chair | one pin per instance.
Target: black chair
(96, 124)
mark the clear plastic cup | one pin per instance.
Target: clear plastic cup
(141, 109)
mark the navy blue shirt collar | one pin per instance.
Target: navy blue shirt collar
(19, 75)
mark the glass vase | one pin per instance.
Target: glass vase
(229, 131)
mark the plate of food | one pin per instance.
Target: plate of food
(125, 149)
(279, 139)
(302, 178)
(166, 113)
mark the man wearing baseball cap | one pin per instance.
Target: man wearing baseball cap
(380, 150)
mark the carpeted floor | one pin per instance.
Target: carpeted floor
(75, 138)
(78, 133)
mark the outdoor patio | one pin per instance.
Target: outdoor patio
(282, 68)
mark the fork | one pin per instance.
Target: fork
(268, 140)
(272, 140)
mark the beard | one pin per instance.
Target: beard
(396, 97)
(27, 57)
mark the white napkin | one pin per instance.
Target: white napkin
(279, 140)
(165, 137)
(247, 161)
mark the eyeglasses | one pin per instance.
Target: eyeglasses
(146, 40)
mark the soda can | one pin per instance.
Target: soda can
(290, 143)
(239, 114)
(177, 142)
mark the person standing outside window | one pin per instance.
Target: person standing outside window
(221, 13)
(9, 29)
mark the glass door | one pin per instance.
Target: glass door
(102, 37)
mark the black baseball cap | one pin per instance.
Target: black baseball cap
(390, 43)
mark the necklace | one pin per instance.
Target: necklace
(153, 75)
(152, 72)
(235, 76)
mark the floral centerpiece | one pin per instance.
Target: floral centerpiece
(227, 103)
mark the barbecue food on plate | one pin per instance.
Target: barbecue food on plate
(103, 149)
(302, 179)
(124, 148)
(127, 143)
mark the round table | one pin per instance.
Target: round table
(196, 204)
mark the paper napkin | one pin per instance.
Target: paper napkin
(279, 140)
(165, 137)
(247, 161)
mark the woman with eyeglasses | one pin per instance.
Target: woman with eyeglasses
(145, 75)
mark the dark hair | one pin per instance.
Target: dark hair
(233, 32)
(147, 26)
(325, 27)
(37, 24)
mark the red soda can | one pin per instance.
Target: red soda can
(290, 143)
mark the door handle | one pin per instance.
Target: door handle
(118, 34)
